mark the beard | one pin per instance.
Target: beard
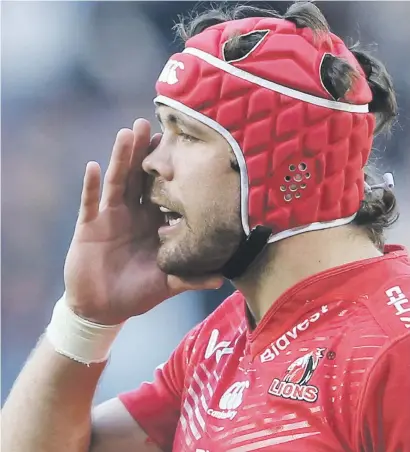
(201, 251)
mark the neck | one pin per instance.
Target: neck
(285, 263)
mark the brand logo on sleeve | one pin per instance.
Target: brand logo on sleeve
(401, 304)
(220, 349)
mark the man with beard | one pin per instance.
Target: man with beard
(259, 176)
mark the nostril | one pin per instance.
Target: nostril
(151, 171)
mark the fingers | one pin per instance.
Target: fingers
(148, 179)
(141, 145)
(90, 196)
(116, 177)
(130, 148)
(155, 140)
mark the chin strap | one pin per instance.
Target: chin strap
(248, 250)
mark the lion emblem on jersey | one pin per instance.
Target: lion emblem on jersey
(295, 384)
(301, 370)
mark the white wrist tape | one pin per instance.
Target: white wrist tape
(78, 338)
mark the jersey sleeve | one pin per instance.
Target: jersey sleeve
(384, 410)
(156, 405)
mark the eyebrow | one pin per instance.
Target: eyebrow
(178, 121)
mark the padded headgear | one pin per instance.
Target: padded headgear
(300, 152)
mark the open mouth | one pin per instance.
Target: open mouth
(171, 218)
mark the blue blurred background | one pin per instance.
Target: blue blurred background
(73, 73)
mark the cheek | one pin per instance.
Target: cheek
(193, 178)
(218, 200)
(207, 186)
(227, 188)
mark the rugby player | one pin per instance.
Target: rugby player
(259, 176)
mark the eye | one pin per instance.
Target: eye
(187, 137)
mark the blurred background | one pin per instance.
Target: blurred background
(74, 73)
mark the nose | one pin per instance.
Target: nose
(158, 163)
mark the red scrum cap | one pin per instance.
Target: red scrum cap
(300, 152)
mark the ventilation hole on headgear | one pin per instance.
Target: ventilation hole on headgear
(302, 166)
(282, 188)
(288, 178)
(302, 186)
(239, 47)
(297, 178)
(292, 167)
(293, 187)
(307, 175)
(287, 197)
(297, 195)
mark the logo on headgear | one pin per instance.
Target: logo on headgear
(294, 385)
(169, 73)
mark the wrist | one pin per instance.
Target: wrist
(80, 339)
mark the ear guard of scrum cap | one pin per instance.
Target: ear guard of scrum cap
(300, 152)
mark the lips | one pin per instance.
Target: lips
(171, 217)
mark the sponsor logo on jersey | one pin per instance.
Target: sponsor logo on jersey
(169, 73)
(230, 401)
(220, 349)
(295, 383)
(286, 339)
(401, 303)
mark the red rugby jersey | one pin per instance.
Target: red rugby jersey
(327, 369)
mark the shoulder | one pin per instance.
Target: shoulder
(227, 316)
(387, 297)
(375, 314)
(382, 415)
(215, 334)
(369, 306)
(390, 370)
(368, 320)
(218, 331)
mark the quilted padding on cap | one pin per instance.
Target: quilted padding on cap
(303, 162)
(289, 55)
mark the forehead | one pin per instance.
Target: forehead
(171, 115)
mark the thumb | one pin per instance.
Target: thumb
(178, 285)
